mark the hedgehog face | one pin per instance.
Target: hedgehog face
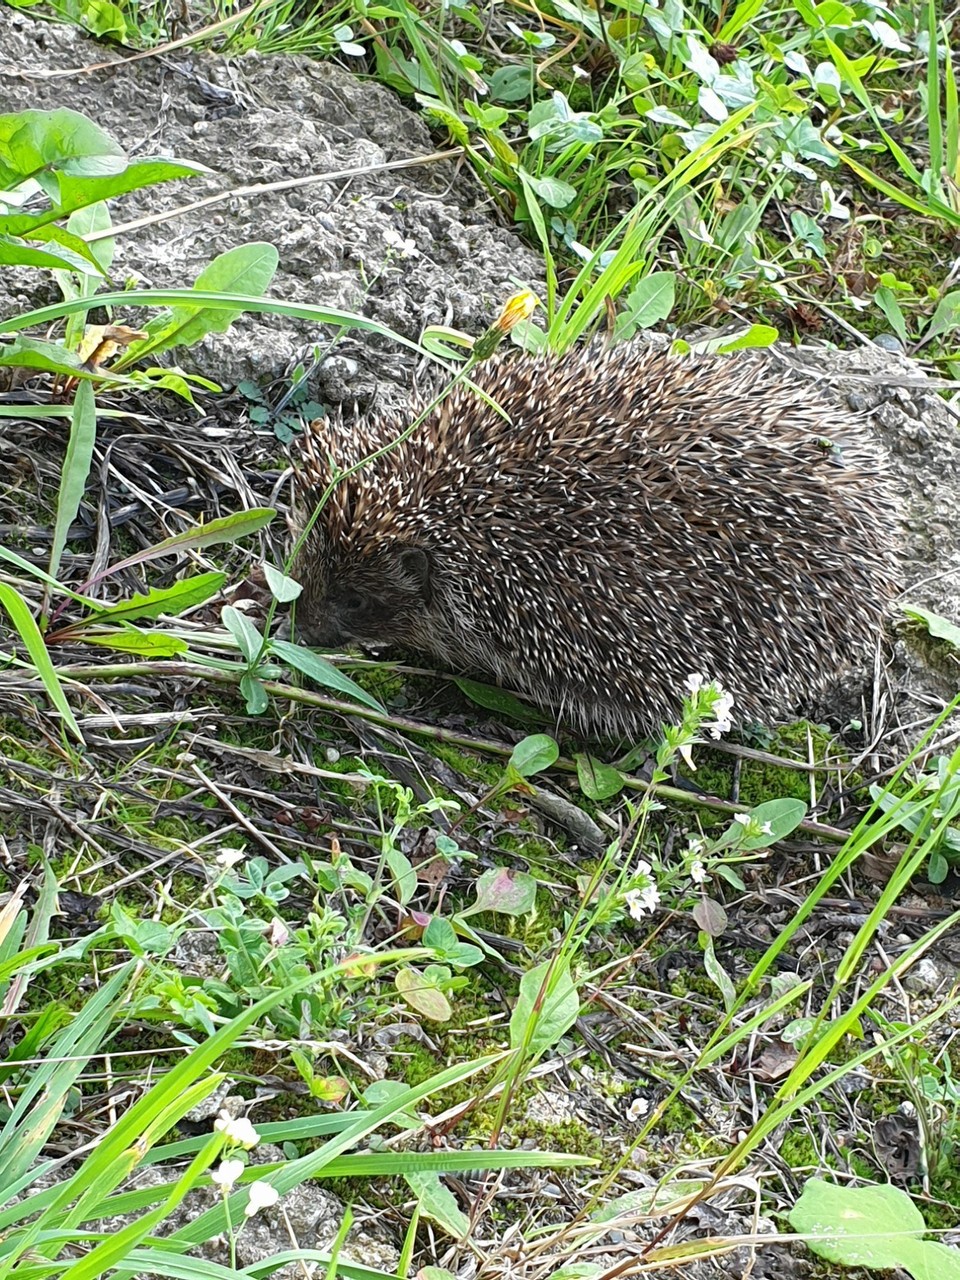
(373, 599)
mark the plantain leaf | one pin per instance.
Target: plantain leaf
(224, 529)
(323, 672)
(172, 601)
(245, 269)
(147, 644)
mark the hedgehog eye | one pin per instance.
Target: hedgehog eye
(351, 601)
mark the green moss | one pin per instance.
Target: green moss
(797, 1149)
(488, 772)
(568, 1135)
(679, 1118)
(945, 1189)
(761, 780)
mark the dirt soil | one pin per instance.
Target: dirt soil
(406, 247)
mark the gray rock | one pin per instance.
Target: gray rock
(406, 247)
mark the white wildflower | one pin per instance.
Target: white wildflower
(724, 703)
(262, 1196)
(407, 248)
(694, 683)
(685, 750)
(698, 872)
(278, 935)
(230, 857)
(226, 1174)
(766, 829)
(742, 818)
(237, 1130)
(721, 708)
(637, 1109)
(642, 901)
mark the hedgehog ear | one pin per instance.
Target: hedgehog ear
(416, 562)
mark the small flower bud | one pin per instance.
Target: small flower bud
(519, 307)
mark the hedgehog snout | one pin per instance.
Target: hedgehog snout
(317, 624)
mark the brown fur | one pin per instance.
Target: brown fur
(640, 517)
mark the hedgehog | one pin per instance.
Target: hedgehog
(631, 517)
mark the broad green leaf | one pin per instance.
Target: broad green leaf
(82, 223)
(103, 18)
(501, 889)
(422, 996)
(255, 695)
(534, 754)
(76, 469)
(554, 192)
(442, 937)
(171, 601)
(499, 700)
(141, 935)
(940, 628)
(31, 141)
(29, 632)
(404, 876)
(146, 644)
(651, 299)
(224, 529)
(938, 868)
(758, 335)
(598, 781)
(539, 1029)
(437, 1202)
(246, 269)
(282, 588)
(78, 191)
(783, 815)
(248, 638)
(886, 300)
(878, 1227)
(946, 316)
(322, 672)
(18, 253)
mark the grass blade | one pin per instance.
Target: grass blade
(29, 632)
(76, 469)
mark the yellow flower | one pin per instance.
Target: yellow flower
(520, 307)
